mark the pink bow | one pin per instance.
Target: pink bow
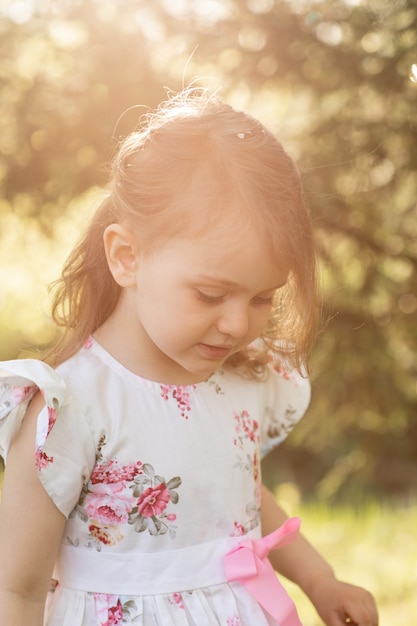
(249, 564)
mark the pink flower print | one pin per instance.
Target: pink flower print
(281, 368)
(153, 495)
(256, 466)
(233, 620)
(245, 428)
(88, 344)
(115, 615)
(109, 504)
(247, 440)
(133, 494)
(107, 535)
(112, 471)
(180, 394)
(19, 394)
(239, 530)
(51, 418)
(176, 598)
(153, 500)
(109, 610)
(42, 460)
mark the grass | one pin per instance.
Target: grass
(374, 547)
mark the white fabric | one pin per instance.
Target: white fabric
(158, 482)
(201, 566)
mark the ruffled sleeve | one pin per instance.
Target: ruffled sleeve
(287, 396)
(64, 453)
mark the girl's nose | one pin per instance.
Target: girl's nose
(234, 322)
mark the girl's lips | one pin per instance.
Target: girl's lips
(214, 352)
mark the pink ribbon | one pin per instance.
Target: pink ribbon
(249, 564)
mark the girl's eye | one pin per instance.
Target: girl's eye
(208, 299)
(263, 301)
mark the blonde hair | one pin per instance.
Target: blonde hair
(191, 160)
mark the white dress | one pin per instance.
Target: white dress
(158, 482)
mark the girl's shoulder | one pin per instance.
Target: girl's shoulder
(286, 396)
(65, 439)
(21, 378)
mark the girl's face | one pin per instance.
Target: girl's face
(196, 301)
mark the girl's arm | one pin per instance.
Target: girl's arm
(336, 602)
(31, 528)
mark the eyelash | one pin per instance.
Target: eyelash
(267, 301)
(209, 299)
(217, 299)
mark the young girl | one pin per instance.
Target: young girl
(133, 452)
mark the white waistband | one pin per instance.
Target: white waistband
(142, 573)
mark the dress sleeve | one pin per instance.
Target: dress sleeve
(64, 453)
(287, 396)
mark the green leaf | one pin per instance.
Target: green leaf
(174, 482)
(174, 496)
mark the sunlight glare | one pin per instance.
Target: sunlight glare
(20, 12)
(208, 11)
(413, 73)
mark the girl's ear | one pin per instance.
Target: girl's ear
(121, 254)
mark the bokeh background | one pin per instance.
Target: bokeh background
(336, 80)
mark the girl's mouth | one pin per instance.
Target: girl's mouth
(214, 352)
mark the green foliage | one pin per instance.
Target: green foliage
(372, 546)
(337, 81)
(348, 70)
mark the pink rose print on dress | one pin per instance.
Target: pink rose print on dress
(106, 507)
(106, 501)
(113, 610)
(42, 460)
(19, 394)
(112, 471)
(176, 598)
(233, 620)
(154, 500)
(245, 428)
(109, 504)
(51, 418)
(13, 395)
(109, 610)
(117, 495)
(180, 394)
(154, 494)
(247, 440)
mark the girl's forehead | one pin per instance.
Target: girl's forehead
(215, 230)
(238, 233)
(232, 259)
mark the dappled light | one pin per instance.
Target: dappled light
(336, 80)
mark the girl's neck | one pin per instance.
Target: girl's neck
(128, 349)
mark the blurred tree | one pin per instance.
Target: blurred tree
(67, 75)
(354, 63)
(337, 80)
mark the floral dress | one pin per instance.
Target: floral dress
(157, 482)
